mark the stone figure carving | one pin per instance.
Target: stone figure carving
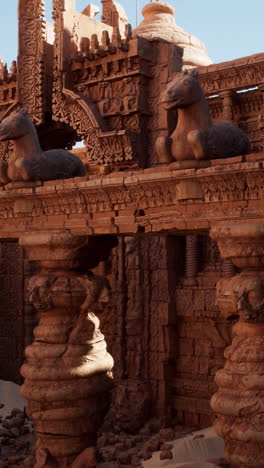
(28, 162)
(195, 135)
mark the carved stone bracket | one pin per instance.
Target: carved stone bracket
(238, 403)
(68, 370)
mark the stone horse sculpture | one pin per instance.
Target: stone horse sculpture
(195, 135)
(28, 162)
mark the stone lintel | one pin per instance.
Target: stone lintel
(164, 197)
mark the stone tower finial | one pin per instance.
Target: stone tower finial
(159, 23)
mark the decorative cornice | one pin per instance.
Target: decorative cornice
(246, 72)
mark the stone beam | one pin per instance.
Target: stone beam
(166, 198)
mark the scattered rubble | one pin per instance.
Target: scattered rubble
(17, 440)
(115, 449)
(122, 450)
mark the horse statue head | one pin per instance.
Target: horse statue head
(183, 91)
(16, 125)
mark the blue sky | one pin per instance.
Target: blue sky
(229, 28)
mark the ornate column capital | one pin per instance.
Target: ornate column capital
(242, 243)
(53, 248)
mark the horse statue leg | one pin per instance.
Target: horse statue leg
(23, 165)
(163, 148)
(198, 142)
(4, 179)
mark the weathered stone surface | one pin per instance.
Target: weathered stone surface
(195, 136)
(238, 402)
(28, 162)
(68, 370)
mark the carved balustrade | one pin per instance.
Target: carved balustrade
(68, 370)
(239, 401)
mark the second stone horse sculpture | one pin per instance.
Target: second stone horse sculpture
(195, 135)
(28, 162)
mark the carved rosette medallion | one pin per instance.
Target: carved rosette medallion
(68, 370)
(239, 402)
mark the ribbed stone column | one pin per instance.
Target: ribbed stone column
(192, 259)
(68, 370)
(228, 104)
(239, 402)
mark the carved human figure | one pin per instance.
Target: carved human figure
(195, 136)
(130, 94)
(109, 104)
(106, 94)
(28, 162)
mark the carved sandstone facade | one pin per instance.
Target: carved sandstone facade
(163, 328)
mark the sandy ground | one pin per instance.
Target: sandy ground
(191, 451)
(10, 397)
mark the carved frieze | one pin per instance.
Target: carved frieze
(109, 194)
(238, 186)
(115, 98)
(240, 75)
(31, 92)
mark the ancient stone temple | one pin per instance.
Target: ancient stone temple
(137, 258)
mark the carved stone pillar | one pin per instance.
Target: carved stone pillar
(239, 402)
(228, 104)
(261, 115)
(68, 370)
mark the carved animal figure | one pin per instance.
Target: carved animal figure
(195, 136)
(28, 162)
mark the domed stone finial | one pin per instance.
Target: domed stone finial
(159, 23)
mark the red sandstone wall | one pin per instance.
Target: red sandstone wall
(201, 338)
(166, 334)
